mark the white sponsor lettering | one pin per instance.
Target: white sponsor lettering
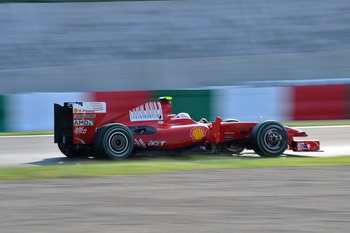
(156, 143)
(89, 107)
(80, 130)
(304, 146)
(83, 122)
(140, 143)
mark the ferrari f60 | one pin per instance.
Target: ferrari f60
(81, 130)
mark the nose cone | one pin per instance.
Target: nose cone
(296, 132)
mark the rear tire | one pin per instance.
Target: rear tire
(235, 147)
(269, 139)
(113, 141)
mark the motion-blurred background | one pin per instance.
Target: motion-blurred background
(250, 60)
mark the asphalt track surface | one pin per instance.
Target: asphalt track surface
(296, 199)
(303, 199)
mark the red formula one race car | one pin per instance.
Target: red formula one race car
(81, 130)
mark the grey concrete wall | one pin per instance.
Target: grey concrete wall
(170, 44)
(182, 73)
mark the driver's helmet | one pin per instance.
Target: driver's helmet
(183, 115)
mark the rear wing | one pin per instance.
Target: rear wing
(63, 123)
(76, 122)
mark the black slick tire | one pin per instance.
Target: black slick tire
(269, 139)
(235, 147)
(113, 141)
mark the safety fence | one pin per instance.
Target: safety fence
(34, 111)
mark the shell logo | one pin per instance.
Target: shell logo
(197, 134)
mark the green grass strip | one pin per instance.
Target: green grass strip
(26, 133)
(146, 167)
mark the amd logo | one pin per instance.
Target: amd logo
(83, 122)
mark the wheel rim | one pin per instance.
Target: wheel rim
(273, 139)
(233, 147)
(118, 143)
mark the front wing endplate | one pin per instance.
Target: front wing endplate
(301, 146)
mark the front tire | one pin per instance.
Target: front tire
(269, 139)
(113, 141)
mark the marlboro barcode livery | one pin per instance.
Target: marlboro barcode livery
(147, 112)
(82, 130)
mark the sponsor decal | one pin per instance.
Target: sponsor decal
(156, 143)
(151, 111)
(80, 130)
(85, 116)
(140, 143)
(197, 134)
(84, 111)
(83, 122)
(90, 107)
(304, 146)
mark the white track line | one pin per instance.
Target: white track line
(27, 136)
(323, 127)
